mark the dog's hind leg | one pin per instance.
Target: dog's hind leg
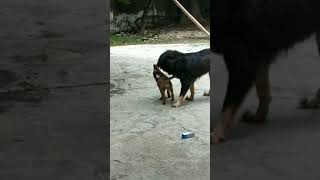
(207, 93)
(172, 94)
(263, 91)
(163, 95)
(314, 102)
(241, 77)
(190, 98)
(185, 85)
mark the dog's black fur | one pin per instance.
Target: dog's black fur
(250, 34)
(188, 67)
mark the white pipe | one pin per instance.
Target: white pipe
(191, 17)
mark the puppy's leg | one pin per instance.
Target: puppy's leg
(263, 91)
(192, 93)
(160, 93)
(172, 95)
(163, 95)
(185, 85)
(168, 92)
(241, 80)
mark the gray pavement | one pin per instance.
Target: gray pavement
(52, 121)
(287, 146)
(146, 135)
(52, 89)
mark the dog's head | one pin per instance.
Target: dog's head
(156, 72)
(168, 59)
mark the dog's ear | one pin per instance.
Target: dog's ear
(167, 60)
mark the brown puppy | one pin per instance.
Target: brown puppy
(163, 83)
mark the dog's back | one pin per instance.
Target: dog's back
(262, 26)
(193, 64)
(199, 62)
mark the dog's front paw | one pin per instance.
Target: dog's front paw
(306, 103)
(177, 104)
(251, 118)
(189, 98)
(206, 93)
(216, 138)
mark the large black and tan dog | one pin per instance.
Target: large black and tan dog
(250, 34)
(188, 67)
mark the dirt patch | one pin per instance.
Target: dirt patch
(45, 34)
(38, 57)
(115, 90)
(182, 34)
(49, 34)
(164, 35)
(25, 92)
(33, 96)
(22, 92)
(15, 89)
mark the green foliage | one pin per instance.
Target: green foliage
(118, 40)
(124, 2)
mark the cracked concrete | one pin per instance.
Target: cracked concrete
(52, 89)
(146, 135)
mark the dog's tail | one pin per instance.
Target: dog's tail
(172, 77)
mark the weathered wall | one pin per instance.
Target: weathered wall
(124, 17)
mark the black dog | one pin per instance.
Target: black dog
(188, 67)
(250, 34)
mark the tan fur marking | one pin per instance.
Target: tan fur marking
(179, 102)
(263, 92)
(217, 134)
(190, 98)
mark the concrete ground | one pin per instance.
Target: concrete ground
(52, 90)
(287, 147)
(146, 135)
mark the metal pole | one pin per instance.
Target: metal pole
(191, 17)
